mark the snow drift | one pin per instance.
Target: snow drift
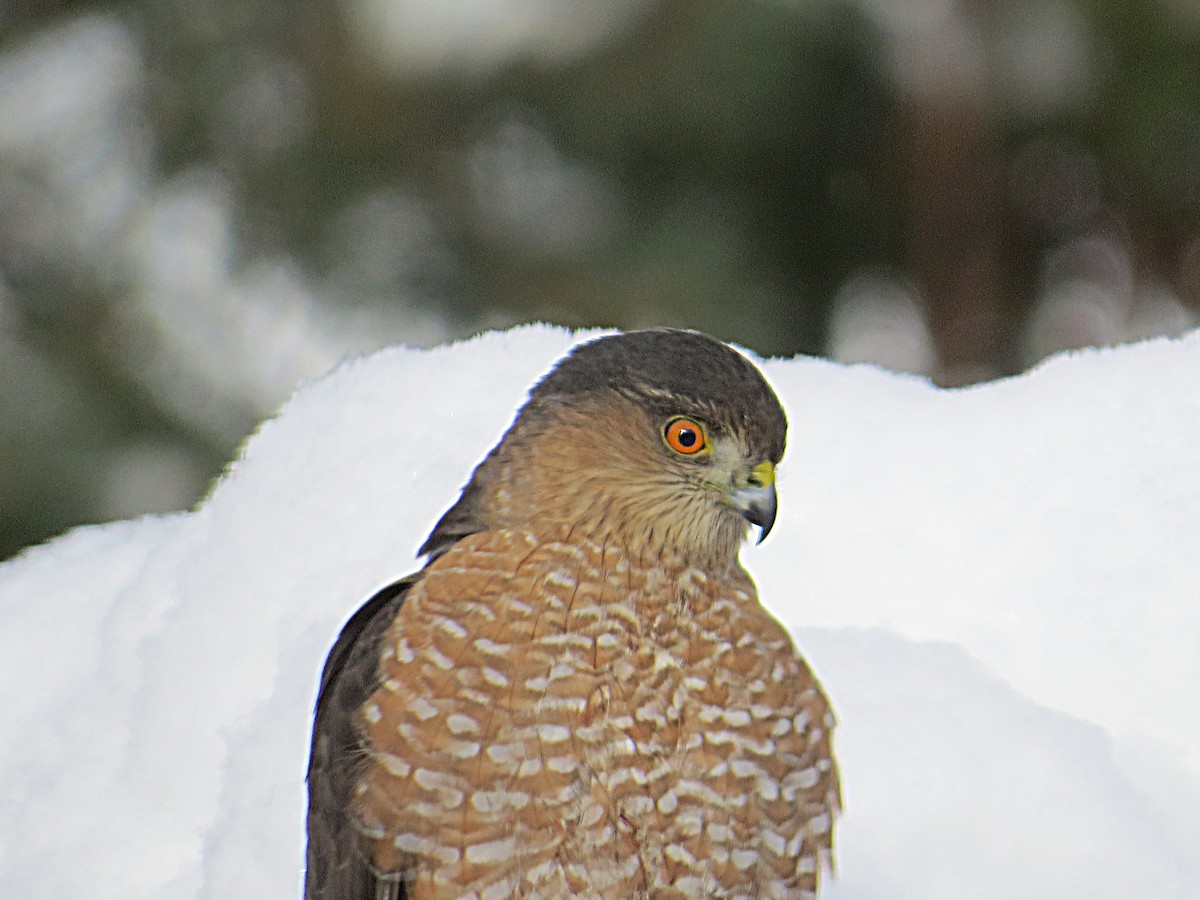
(1000, 587)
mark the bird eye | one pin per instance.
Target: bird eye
(684, 436)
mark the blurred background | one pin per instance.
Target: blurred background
(203, 202)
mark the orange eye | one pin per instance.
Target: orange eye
(684, 436)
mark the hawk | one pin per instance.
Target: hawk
(580, 693)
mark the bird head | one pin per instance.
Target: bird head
(664, 441)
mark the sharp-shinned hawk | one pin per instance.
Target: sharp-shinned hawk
(580, 693)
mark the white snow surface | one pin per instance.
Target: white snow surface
(999, 586)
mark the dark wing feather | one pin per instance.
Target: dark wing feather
(336, 869)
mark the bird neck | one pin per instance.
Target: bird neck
(581, 470)
(606, 494)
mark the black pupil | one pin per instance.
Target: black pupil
(686, 437)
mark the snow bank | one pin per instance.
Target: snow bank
(999, 586)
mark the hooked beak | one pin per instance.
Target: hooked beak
(755, 499)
